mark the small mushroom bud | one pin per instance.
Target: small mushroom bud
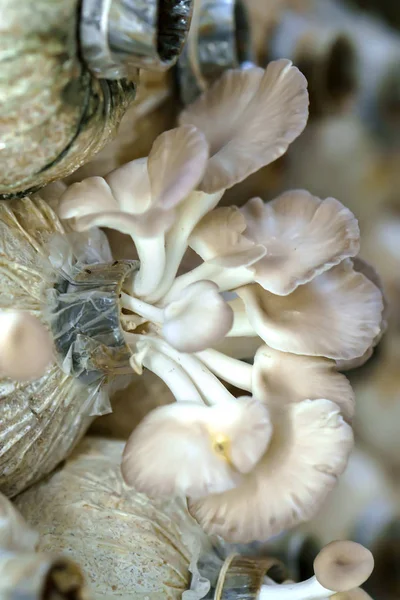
(342, 566)
(25, 346)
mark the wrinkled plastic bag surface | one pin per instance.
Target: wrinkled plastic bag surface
(129, 545)
(44, 271)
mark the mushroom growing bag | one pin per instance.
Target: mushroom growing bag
(128, 545)
(46, 274)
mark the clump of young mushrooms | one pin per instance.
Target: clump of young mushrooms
(281, 273)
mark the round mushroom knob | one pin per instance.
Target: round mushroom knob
(26, 348)
(342, 566)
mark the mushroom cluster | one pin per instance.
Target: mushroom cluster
(280, 273)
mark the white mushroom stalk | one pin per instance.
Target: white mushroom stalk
(340, 567)
(254, 465)
(305, 590)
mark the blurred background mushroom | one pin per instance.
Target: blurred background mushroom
(27, 573)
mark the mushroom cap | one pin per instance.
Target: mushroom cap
(337, 315)
(343, 565)
(249, 117)
(194, 450)
(309, 449)
(138, 197)
(285, 378)
(26, 348)
(304, 235)
(198, 318)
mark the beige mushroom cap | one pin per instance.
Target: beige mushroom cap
(249, 117)
(308, 450)
(198, 318)
(343, 565)
(187, 449)
(26, 348)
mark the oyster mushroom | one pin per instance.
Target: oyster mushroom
(288, 278)
(283, 243)
(214, 447)
(342, 566)
(138, 198)
(339, 567)
(248, 134)
(308, 450)
(336, 315)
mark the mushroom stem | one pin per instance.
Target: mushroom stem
(151, 252)
(241, 325)
(208, 387)
(232, 370)
(310, 589)
(141, 308)
(173, 376)
(177, 239)
(226, 279)
(212, 390)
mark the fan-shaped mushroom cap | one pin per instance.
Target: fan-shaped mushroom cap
(249, 118)
(309, 449)
(283, 377)
(194, 450)
(304, 237)
(138, 197)
(337, 315)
